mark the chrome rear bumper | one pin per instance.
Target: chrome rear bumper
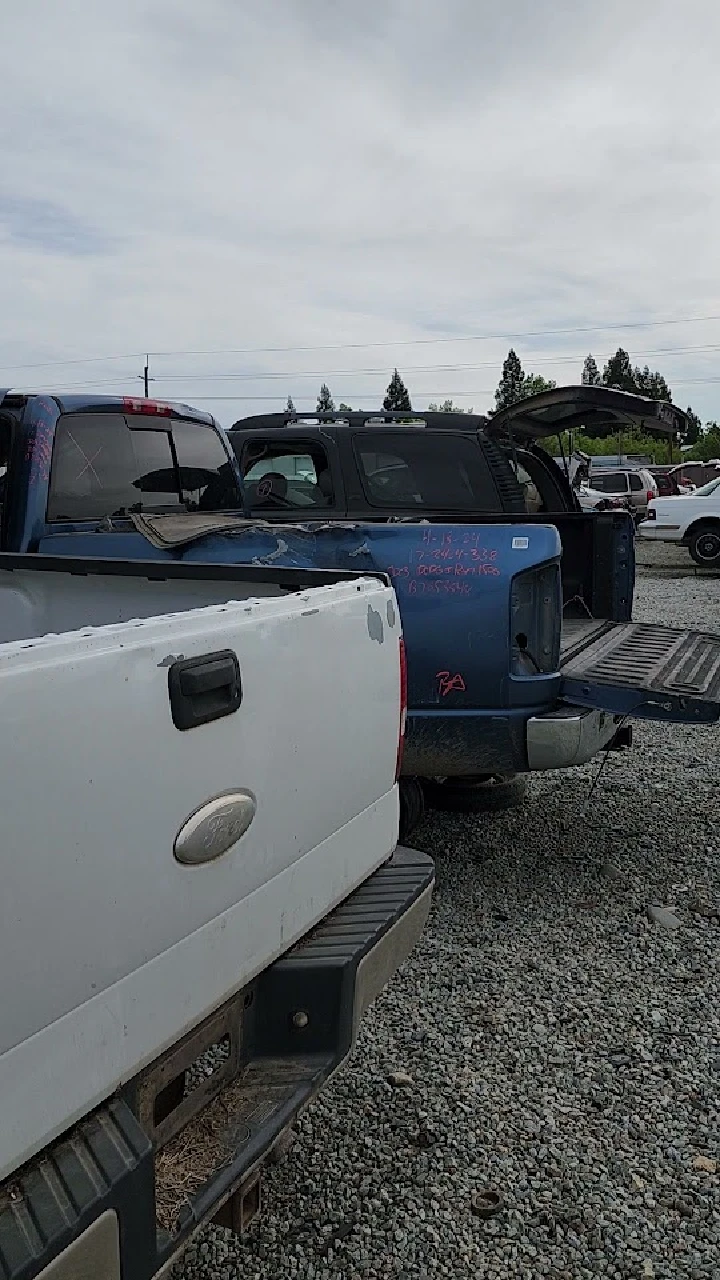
(568, 736)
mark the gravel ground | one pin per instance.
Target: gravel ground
(561, 1049)
(663, 555)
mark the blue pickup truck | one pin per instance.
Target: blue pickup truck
(516, 604)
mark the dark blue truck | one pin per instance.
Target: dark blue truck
(516, 605)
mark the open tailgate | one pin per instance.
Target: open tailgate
(647, 671)
(599, 411)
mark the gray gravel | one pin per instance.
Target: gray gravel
(563, 1049)
(662, 555)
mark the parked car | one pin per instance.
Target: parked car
(693, 475)
(692, 520)
(521, 653)
(200, 812)
(666, 481)
(639, 487)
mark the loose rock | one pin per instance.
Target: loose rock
(663, 916)
(400, 1080)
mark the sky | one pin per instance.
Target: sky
(266, 196)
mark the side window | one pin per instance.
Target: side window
(389, 478)
(279, 477)
(636, 483)
(102, 468)
(422, 469)
(207, 480)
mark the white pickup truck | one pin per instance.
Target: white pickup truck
(201, 889)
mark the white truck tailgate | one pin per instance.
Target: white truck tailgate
(109, 947)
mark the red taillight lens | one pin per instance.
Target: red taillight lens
(403, 709)
(153, 408)
(650, 495)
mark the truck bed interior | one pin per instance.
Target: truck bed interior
(46, 595)
(597, 566)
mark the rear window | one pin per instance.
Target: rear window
(105, 464)
(420, 469)
(609, 483)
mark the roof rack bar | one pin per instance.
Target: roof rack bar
(363, 417)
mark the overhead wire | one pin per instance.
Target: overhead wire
(611, 326)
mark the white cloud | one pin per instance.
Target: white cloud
(200, 177)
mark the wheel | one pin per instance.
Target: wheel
(412, 806)
(705, 545)
(488, 793)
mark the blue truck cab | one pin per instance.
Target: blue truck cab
(521, 652)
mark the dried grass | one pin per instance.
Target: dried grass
(194, 1156)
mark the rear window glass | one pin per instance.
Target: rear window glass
(420, 469)
(206, 478)
(609, 483)
(108, 465)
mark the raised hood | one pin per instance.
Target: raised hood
(597, 411)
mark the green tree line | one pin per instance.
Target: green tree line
(515, 384)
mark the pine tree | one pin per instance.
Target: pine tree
(534, 383)
(510, 386)
(397, 396)
(657, 387)
(590, 373)
(643, 379)
(619, 373)
(290, 407)
(325, 402)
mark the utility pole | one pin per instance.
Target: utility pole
(146, 376)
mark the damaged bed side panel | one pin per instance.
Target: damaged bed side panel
(453, 583)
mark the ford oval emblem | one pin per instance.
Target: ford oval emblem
(214, 828)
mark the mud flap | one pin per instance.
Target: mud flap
(648, 672)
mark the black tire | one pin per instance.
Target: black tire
(704, 545)
(412, 806)
(491, 793)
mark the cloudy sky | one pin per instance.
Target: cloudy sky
(268, 194)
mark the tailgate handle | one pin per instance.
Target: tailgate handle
(205, 688)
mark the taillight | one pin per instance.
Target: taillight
(652, 513)
(152, 408)
(403, 709)
(650, 495)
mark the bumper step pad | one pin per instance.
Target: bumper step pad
(296, 1024)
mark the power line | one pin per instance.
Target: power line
(433, 395)
(369, 371)
(366, 346)
(407, 369)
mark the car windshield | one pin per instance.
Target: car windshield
(706, 489)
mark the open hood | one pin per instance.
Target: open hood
(597, 411)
